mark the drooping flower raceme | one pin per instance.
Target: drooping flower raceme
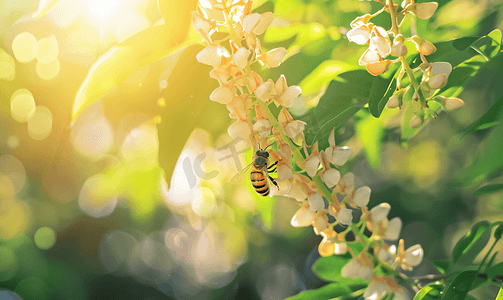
(326, 197)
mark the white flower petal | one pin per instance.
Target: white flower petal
(240, 129)
(341, 248)
(345, 216)
(380, 45)
(263, 127)
(240, 58)
(263, 23)
(414, 255)
(316, 202)
(212, 55)
(394, 228)
(380, 212)
(369, 56)
(285, 187)
(311, 165)
(441, 68)
(425, 10)
(249, 22)
(331, 177)
(294, 129)
(289, 96)
(362, 196)
(274, 57)
(359, 35)
(284, 172)
(222, 95)
(340, 155)
(303, 217)
(365, 273)
(297, 193)
(263, 91)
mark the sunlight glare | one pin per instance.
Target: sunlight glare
(102, 8)
(48, 71)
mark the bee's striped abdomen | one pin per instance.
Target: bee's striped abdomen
(259, 182)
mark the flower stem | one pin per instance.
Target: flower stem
(394, 25)
(413, 80)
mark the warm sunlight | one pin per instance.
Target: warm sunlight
(104, 9)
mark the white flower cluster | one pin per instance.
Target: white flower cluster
(238, 85)
(384, 43)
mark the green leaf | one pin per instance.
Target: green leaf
(280, 34)
(187, 98)
(495, 270)
(329, 269)
(134, 53)
(460, 286)
(320, 77)
(329, 291)
(336, 122)
(489, 189)
(470, 245)
(500, 295)
(489, 45)
(491, 260)
(370, 132)
(489, 119)
(383, 88)
(499, 229)
(430, 292)
(442, 265)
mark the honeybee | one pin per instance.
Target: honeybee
(260, 172)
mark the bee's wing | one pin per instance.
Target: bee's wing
(238, 177)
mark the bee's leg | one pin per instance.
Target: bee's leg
(272, 168)
(271, 179)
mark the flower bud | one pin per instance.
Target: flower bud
(200, 23)
(423, 46)
(437, 81)
(326, 248)
(377, 68)
(394, 101)
(453, 103)
(425, 10)
(415, 122)
(398, 48)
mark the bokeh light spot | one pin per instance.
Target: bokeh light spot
(45, 238)
(13, 220)
(115, 248)
(12, 142)
(140, 149)
(13, 173)
(47, 50)
(94, 137)
(25, 47)
(8, 295)
(40, 125)
(48, 71)
(98, 196)
(7, 65)
(22, 105)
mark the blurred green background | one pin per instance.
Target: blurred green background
(85, 213)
